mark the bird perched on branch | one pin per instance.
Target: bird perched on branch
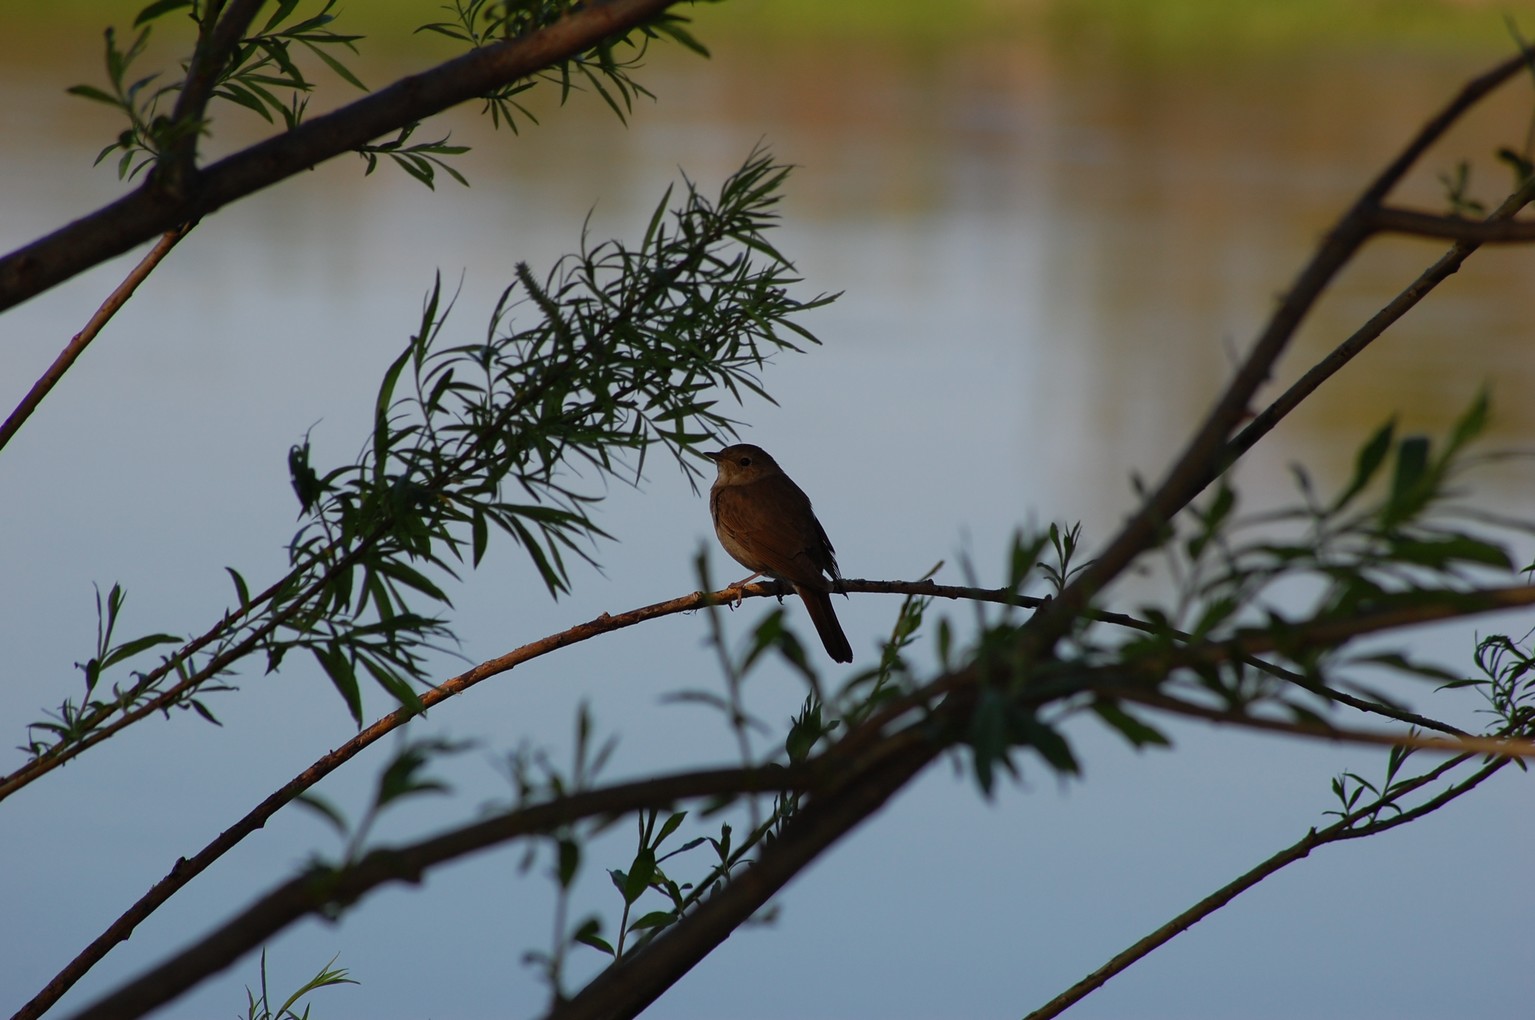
(766, 524)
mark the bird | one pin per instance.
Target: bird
(766, 524)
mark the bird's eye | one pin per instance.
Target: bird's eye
(745, 461)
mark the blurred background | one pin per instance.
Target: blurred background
(1054, 225)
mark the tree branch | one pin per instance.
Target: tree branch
(1446, 266)
(1492, 230)
(175, 173)
(322, 891)
(636, 981)
(188, 868)
(147, 211)
(1344, 829)
(1207, 453)
(82, 339)
(1505, 747)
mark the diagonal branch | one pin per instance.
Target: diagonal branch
(1506, 747)
(1344, 829)
(82, 339)
(862, 788)
(1206, 454)
(321, 892)
(1492, 230)
(1327, 632)
(147, 211)
(216, 45)
(1447, 265)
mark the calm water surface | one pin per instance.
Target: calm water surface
(1049, 260)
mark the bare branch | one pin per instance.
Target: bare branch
(1505, 747)
(82, 339)
(1343, 829)
(1446, 266)
(1492, 230)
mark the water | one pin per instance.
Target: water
(1050, 259)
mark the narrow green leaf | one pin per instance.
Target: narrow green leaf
(336, 66)
(670, 826)
(343, 676)
(129, 649)
(325, 809)
(242, 590)
(1050, 744)
(640, 873)
(569, 861)
(1138, 733)
(1471, 424)
(1371, 456)
(654, 919)
(1406, 483)
(587, 935)
(159, 9)
(91, 92)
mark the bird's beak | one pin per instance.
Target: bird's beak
(715, 456)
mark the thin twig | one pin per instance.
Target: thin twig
(1206, 455)
(1505, 747)
(1491, 230)
(82, 339)
(1343, 829)
(1447, 265)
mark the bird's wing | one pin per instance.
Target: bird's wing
(781, 540)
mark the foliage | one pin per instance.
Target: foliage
(617, 352)
(621, 350)
(607, 70)
(259, 1006)
(263, 76)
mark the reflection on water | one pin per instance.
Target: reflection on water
(1149, 216)
(1048, 259)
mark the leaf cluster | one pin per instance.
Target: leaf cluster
(259, 1004)
(606, 69)
(1393, 541)
(1393, 538)
(262, 74)
(615, 351)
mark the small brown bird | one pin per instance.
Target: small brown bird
(766, 524)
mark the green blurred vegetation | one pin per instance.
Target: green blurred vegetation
(1178, 29)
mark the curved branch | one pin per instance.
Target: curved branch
(321, 892)
(149, 210)
(1330, 632)
(1503, 747)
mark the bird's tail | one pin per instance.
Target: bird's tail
(818, 604)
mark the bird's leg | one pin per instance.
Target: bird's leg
(740, 588)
